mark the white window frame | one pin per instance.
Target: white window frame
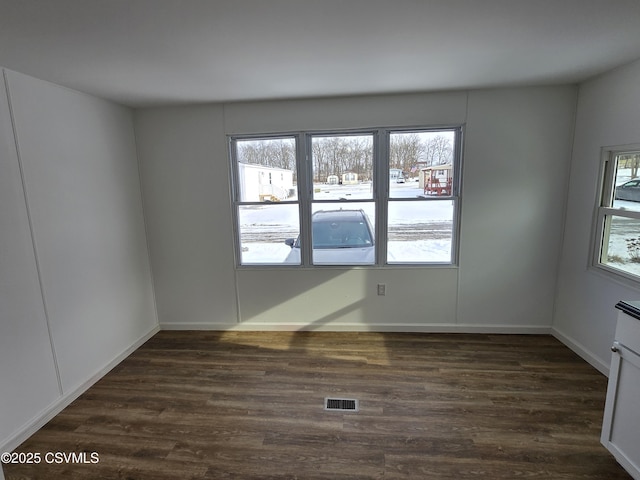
(455, 197)
(381, 198)
(604, 210)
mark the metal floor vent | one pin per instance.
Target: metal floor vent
(341, 404)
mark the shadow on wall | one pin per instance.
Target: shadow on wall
(346, 299)
(298, 298)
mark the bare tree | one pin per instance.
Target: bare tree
(439, 151)
(338, 155)
(277, 153)
(319, 154)
(631, 161)
(405, 151)
(362, 158)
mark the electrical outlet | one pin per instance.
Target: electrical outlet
(382, 289)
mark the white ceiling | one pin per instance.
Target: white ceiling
(158, 52)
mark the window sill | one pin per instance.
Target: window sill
(616, 276)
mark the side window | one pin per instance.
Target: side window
(617, 239)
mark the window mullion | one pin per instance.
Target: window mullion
(235, 198)
(620, 212)
(381, 193)
(305, 195)
(456, 189)
(457, 165)
(604, 226)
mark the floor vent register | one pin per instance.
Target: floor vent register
(341, 404)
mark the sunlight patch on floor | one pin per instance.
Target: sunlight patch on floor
(315, 345)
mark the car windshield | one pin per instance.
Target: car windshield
(335, 233)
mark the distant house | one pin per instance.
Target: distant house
(333, 180)
(394, 174)
(259, 183)
(437, 179)
(349, 178)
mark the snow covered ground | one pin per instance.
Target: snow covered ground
(418, 231)
(623, 230)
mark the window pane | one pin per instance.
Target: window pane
(622, 249)
(264, 230)
(342, 167)
(266, 170)
(627, 182)
(420, 231)
(421, 163)
(343, 234)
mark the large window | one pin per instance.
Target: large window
(375, 197)
(618, 214)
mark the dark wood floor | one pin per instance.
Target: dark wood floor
(244, 405)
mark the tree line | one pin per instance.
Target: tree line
(338, 155)
(631, 161)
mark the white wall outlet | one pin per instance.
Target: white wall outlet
(382, 289)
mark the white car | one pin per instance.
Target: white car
(340, 237)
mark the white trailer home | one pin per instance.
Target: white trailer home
(259, 183)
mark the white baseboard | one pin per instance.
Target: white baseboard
(581, 350)
(360, 327)
(197, 326)
(37, 422)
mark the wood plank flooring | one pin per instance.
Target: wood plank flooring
(249, 405)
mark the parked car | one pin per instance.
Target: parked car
(339, 237)
(629, 191)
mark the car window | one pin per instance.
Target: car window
(341, 234)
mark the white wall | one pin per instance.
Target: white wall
(608, 114)
(92, 285)
(516, 159)
(516, 168)
(76, 282)
(28, 378)
(183, 166)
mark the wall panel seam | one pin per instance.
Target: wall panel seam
(31, 229)
(152, 278)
